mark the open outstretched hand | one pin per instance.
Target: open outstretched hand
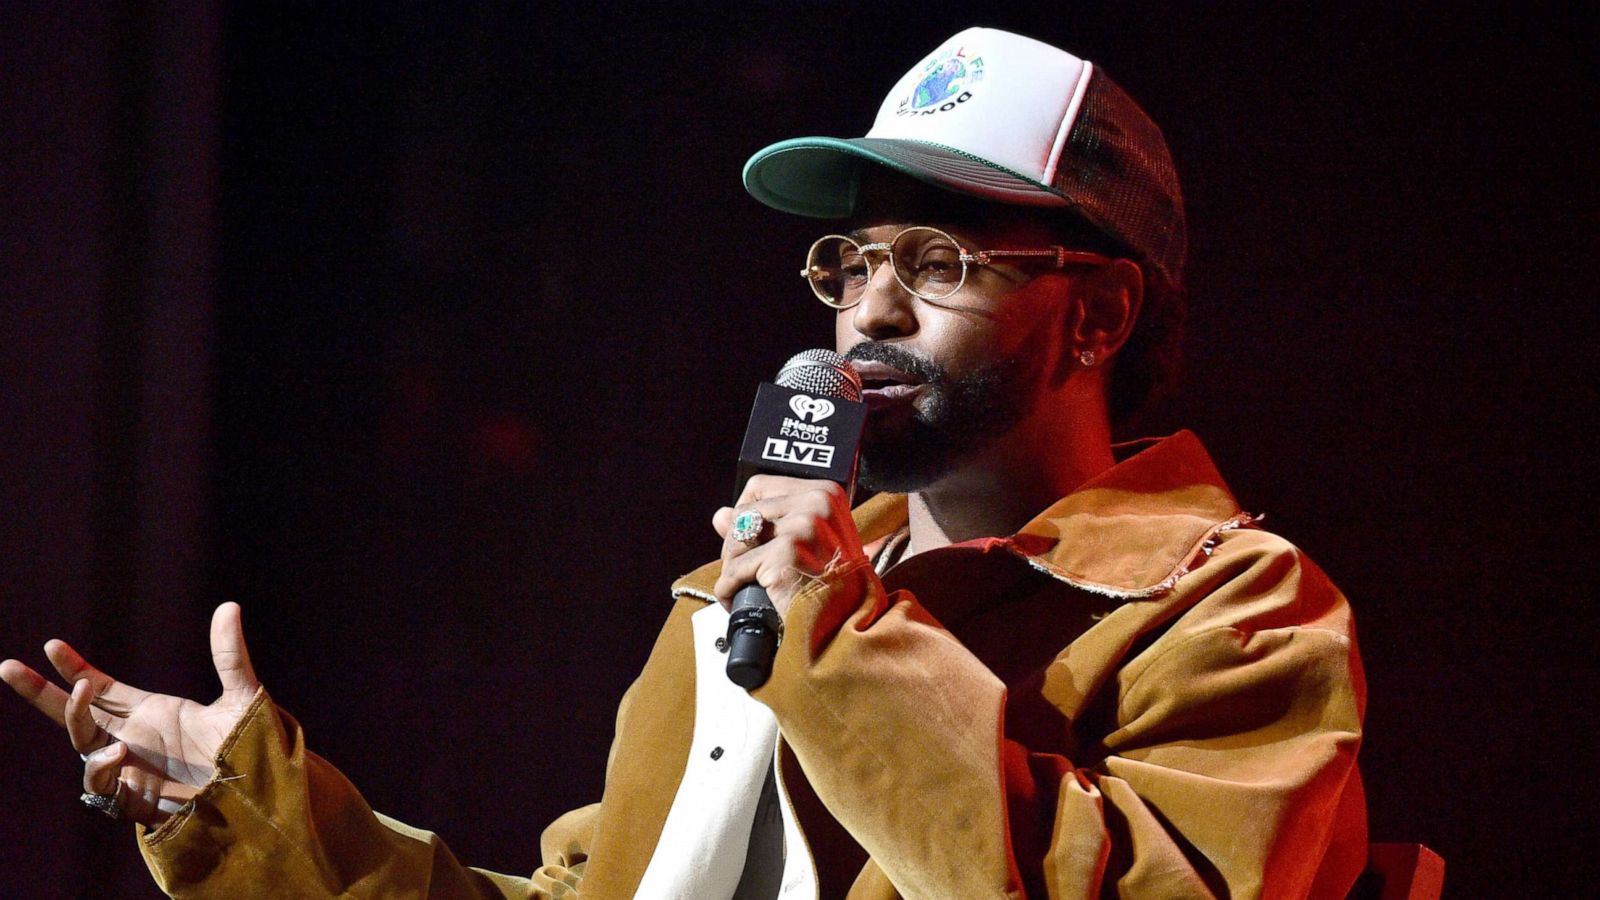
(152, 751)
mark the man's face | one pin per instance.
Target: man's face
(946, 378)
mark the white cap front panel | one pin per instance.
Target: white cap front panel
(999, 96)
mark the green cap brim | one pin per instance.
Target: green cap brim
(820, 176)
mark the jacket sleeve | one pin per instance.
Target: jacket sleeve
(278, 820)
(1231, 711)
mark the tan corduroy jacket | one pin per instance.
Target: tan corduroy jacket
(1139, 694)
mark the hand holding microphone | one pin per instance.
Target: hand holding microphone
(806, 524)
(792, 516)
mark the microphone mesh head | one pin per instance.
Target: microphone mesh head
(822, 372)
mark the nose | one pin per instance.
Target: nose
(887, 310)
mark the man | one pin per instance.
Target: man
(1025, 668)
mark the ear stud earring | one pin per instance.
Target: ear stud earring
(1086, 358)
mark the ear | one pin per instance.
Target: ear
(1109, 303)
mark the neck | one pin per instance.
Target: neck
(1005, 485)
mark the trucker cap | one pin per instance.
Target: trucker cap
(1006, 118)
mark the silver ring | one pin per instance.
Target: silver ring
(747, 526)
(105, 803)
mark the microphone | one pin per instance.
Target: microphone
(806, 425)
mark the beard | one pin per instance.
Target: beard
(908, 447)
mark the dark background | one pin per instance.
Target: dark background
(427, 333)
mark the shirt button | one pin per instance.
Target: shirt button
(716, 752)
(722, 645)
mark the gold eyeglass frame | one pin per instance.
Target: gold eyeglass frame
(1058, 256)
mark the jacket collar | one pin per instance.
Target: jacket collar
(1130, 532)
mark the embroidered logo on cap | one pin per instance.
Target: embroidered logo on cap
(947, 81)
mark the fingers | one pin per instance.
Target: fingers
(807, 525)
(87, 735)
(770, 510)
(761, 487)
(759, 566)
(775, 496)
(36, 689)
(795, 513)
(805, 544)
(229, 654)
(800, 545)
(107, 693)
(102, 768)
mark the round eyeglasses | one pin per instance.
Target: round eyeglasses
(927, 262)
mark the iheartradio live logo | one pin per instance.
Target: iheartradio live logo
(801, 440)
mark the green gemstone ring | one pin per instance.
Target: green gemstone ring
(747, 527)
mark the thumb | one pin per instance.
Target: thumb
(228, 652)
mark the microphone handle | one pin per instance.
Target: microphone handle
(753, 631)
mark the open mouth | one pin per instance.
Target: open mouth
(884, 385)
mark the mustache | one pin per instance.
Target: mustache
(919, 367)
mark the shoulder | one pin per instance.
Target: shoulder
(1251, 580)
(1256, 625)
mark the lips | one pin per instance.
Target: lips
(883, 385)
